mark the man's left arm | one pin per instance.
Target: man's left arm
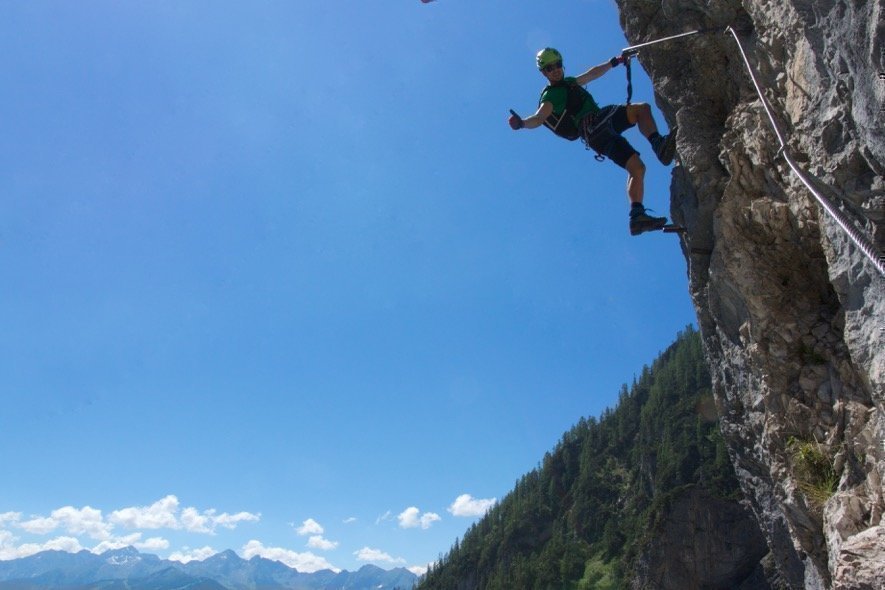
(597, 71)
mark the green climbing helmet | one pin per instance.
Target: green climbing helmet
(547, 56)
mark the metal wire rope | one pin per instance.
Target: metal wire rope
(856, 236)
(860, 240)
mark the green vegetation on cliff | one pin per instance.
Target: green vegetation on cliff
(579, 520)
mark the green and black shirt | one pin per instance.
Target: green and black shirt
(571, 103)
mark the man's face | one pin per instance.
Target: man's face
(553, 72)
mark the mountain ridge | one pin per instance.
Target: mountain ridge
(129, 569)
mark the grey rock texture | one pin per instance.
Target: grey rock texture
(791, 312)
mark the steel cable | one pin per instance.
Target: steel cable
(861, 241)
(856, 236)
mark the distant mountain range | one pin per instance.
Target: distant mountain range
(128, 569)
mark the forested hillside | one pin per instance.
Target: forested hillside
(584, 516)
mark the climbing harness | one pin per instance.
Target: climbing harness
(589, 132)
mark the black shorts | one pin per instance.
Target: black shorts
(604, 134)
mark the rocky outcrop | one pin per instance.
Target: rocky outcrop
(702, 542)
(791, 312)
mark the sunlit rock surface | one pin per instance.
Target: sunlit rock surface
(791, 312)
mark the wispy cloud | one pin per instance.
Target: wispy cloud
(467, 505)
(411, 518)
(318, 542)
(369, 554)
(303, 562)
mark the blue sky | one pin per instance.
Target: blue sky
(278, 277)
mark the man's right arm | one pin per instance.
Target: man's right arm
(536, 120)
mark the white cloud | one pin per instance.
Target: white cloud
(194, 522)
(188, 554)
(150, 545)
(408, 518)
(75, 521)
(429, 518)
(88, 521)
(69, 544)
(153, 544)
(117, 543)
(350, 520)
(369, 554)
(39, 526)
(303, 562)
(411, 518)
(9, 549)
(383, 517)
(164, 513)
(318, 542)
(7, 518)
(7, 545)
(310, 527)
(206, 522)
(230, 521)
(467, 505)
(161, 514)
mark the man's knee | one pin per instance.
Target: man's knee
(637, 111)
(635, 166)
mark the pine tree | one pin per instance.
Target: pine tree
(580, 518)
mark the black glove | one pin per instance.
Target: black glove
(616, 61)
(515, 122)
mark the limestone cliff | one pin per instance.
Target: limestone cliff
(791, 312)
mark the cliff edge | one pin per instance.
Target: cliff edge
(791, 312)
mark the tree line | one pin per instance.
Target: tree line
(579, 520)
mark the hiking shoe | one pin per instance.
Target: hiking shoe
(641, 222)
(665, 147)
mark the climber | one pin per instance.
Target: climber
(568, 110)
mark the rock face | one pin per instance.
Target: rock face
(791, 312)
(703, 542)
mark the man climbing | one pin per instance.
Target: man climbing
(568, 110)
